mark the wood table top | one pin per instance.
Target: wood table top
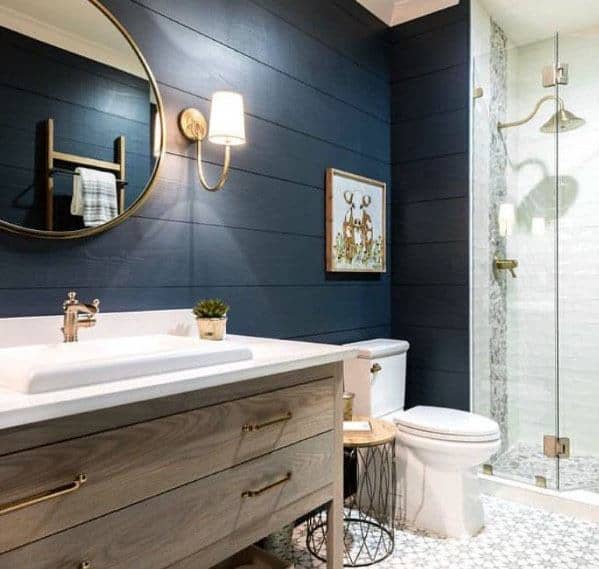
(382, 432)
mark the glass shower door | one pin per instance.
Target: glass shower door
(578, 261)
(514, 314)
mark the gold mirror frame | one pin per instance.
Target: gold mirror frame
(143, 196)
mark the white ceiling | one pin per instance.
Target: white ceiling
(74, 25)
(525, 21)
(394, 12)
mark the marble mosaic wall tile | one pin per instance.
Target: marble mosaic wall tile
(497, 247)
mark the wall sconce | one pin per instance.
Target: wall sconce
(227, 128)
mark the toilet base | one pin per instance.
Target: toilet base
(439, 499)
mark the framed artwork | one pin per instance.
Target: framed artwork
(356, 222)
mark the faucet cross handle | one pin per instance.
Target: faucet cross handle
(71, 299)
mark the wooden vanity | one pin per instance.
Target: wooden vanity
(177, 482)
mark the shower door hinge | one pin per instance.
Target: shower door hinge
(553, 76)
(555, 447)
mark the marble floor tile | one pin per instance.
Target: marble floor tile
(515, 537)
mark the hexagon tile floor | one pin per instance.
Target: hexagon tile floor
(524, 461)
(515, 537)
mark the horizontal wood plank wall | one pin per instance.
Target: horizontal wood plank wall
(315, 77)
(429, 113)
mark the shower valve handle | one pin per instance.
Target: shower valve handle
(506, 265)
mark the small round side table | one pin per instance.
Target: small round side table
(369, 511)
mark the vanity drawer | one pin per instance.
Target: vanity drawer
(161, 531)
(127, 465)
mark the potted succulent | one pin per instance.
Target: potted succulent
(211, 316)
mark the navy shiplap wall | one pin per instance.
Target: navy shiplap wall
(429, 110)
(315, 79)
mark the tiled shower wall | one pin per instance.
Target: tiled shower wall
(578, 242)
(529, 362)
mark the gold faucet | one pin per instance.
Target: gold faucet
(77, 314)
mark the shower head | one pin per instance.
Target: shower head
(562, 121)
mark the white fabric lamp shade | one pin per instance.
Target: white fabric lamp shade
(227, 125)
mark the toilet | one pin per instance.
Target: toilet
(438, 449)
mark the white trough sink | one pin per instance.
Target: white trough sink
(50, 367)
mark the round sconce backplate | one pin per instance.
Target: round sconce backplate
(193, 124)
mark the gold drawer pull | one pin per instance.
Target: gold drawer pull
(43, 496)
(254, 493)
(249, 427)
(376, 368)
(85, 565)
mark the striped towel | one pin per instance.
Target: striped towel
(94, 196)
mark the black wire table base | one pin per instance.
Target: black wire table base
(369, 511)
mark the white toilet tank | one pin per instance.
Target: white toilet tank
(377, 376)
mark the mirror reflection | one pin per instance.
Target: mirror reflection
(80, 129)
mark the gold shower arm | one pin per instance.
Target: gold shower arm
(501, 125)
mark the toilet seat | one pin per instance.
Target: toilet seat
(446, 424)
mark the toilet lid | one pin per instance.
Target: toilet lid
(447, 424)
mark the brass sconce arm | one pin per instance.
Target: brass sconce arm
(224, 174)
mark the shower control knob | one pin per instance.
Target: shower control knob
(506, 265)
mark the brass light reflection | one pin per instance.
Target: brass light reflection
(227, 128)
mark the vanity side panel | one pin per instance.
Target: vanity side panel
(336, 528)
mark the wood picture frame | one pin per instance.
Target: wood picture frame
(356, 223)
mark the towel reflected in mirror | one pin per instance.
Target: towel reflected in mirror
(94, 196)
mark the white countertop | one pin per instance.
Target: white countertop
(270, 357)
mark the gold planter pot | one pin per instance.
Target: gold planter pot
(212, 328)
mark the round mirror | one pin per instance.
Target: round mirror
(81, 119)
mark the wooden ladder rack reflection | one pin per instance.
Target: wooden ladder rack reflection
(52, 156)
